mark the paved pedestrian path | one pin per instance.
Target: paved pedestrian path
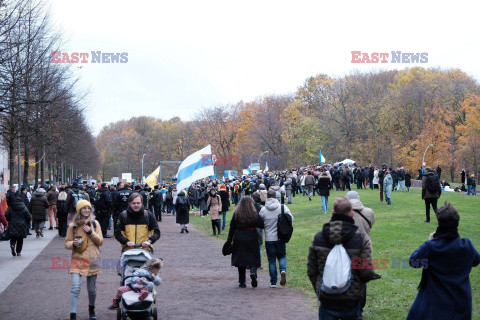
(198, 283)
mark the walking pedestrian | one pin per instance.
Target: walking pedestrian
(324, 188)
(276, 249)
(214, 204)
(182, 207)
(431, 191)
(225, 203)
(244, 238)
(37, 208)
(408, 180)
(388, 187)
(84, 237)
(18, 219)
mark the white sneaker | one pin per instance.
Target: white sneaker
(273, 286)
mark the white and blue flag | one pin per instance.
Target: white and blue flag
(266, 167)
(196, 166)
(249, 170)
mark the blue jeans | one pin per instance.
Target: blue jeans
(75, 292)
(224, 216)
(276, 250)
(350, 313)
(325, 204)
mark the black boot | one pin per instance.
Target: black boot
(13, 250)
(91, 312)
(73, 316)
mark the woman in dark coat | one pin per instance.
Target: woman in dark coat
(202, 202)
(244, 238)
(182, 208)
(408, 180)
(447, 259)
(37, 208)
(18, 219)
(324, 190)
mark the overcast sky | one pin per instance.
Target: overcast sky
(185, 55)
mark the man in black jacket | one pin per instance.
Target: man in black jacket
(103, 207)
(381, 175)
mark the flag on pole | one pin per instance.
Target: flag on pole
(321, 157)
(266, 167)
(249, 170)
(152, 179)
(196, 166)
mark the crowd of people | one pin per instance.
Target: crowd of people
(83, 213)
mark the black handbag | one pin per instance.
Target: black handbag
(5, 236)
(227, 248)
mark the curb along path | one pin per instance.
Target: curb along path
(198, 283)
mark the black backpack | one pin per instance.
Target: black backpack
(284, 226)
(433, 183)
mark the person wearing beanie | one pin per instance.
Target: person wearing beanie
(364, 219)
(447, 259)
(84, 237)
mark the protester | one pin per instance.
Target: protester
(244, 239)
(18, 219)
(447, 259)
(52, 196)
(381, 176)
(182, 207)
(62, 212)
(324, 189)
(214, 204)
(157, 201)
(309, 183)
(73, 197)
(340, 230)
(388, 187)
(84, 237)
(471, 185)
(276, 250)
(408, 180)
(37, 207)
(225, 203)
(431, 191)
(136, 225)
(104, 207)
(364, 219)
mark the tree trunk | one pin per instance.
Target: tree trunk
(11, 162)
(25, 166)
(36, 169)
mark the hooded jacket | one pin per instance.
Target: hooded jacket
(38, 204)
(341, 229)
(18, 220)
(269, 214)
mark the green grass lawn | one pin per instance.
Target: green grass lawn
(399, 230)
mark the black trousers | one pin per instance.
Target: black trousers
(62, 226)
(158, 213)
(429, 201)
(241, 274)
(104, 219)
(18, 242)
(216, 225)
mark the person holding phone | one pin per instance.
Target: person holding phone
(84, 237)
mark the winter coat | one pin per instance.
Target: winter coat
(388, 186)
(18, 219)
(288, 184)
(182, 209)
(448, 294)
(37, 206)
(363, 225)
(202, 201)
(215, 206)
(408, 180)
(324, 186)
(52, 197)
(85, 263)
(428, 194)
(138, 274)
(269, 215)
(137, 227)
(309, 180)
(225, 200)
(244, 240)
(340, 229)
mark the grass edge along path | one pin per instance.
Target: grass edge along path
(398, 231)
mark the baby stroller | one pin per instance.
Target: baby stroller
(130, 306)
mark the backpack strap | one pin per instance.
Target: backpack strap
(361, 214)
(282, 209)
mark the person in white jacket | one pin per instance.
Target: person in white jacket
(275, 249)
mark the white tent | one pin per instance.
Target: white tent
(346, 161)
